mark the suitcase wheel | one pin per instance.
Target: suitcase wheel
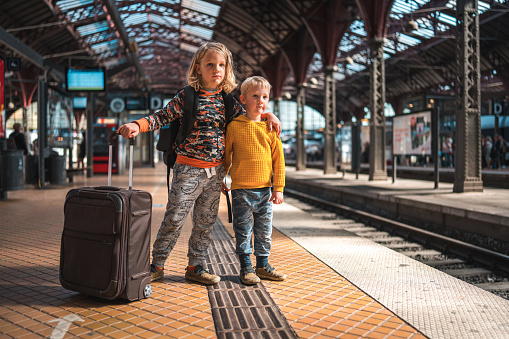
(147, 291)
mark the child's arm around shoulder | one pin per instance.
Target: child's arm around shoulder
(273, 122)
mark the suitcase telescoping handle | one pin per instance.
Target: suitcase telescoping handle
(111, 142)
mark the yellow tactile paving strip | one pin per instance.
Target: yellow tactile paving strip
(318, 303)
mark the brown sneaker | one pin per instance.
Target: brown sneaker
(248, 276)
(155, 273)
(201, 275)
(270, 273)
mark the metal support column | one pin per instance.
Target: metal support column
(329, 157)
(300, 161)
(377, 157)
(435, 142)
(468, 172)
(90, 135)
(277, 108)
(42, 104)
(25, 126)
(356, 148)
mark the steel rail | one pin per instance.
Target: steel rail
(443, 243)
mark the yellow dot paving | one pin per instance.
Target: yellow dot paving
(316, 301)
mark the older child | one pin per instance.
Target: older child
(255, 154)
(198, 171)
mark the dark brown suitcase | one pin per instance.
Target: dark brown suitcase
(105, 248)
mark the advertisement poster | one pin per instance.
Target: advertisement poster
(412, 134)
(60, 120)
(2, 100)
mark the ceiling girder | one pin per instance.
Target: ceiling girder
(34, 57)
(114, 16)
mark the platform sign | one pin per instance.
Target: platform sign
(412, 134)
(2, 99)
(499, 107)
(14, 64)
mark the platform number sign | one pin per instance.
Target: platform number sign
(14, 64)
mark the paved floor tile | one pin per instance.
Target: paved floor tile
(316, 301)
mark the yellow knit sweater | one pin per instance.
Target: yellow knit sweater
(254, 154)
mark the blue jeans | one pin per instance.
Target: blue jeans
(252, 213)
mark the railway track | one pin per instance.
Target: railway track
(479, 266)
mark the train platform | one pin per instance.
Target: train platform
(339, 285)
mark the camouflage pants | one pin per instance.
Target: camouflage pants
(196, 188)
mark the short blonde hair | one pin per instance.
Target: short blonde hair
(254, 81)
(193, 77)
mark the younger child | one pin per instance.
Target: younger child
(198, 171)
(254, 154)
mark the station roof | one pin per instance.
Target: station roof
(148, 44)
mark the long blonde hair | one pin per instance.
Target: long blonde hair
(193, 77)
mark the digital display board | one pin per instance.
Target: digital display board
(85, 79)
(79, 102)
(135, 103)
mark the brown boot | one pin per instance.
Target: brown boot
(201, 275)
(270, 273)
(248, 276)
(156, 273)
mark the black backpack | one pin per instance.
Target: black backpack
(174, 134)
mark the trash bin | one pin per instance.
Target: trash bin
(12, 176)
(57, 173)
(32, 170)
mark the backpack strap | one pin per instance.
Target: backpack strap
(229, 104)
(191, 99)
(229, 205)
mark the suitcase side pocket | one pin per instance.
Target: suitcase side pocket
(86, 266)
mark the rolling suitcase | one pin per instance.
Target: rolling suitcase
(105, 247)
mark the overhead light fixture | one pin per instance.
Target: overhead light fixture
(313, 80)
(346, 60)
(411, 26)
(287, 95)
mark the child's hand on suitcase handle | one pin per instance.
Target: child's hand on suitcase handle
(113, 135)
(129, 130)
